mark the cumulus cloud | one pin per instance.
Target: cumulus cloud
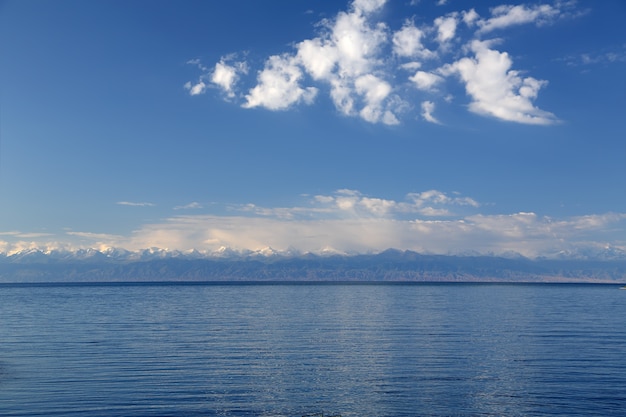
(426, 81)
(497, 90)
(470, 17)
(225, 75)
(278, 86)
(446, 27)
(345, 56)
(374, 91)
(319, 57)
(407, 42)
(354, 58)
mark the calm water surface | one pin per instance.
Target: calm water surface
(288, 350)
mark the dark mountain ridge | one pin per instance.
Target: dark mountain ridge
(390, 265)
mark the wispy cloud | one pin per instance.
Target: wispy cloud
(10, 233)
(507, 15)
(607, 56)
(135, 204)
(95, 236)
(355, 57)
(193, 205)
(25, 235)
(428, 107)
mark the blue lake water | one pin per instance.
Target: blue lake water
(294, 349)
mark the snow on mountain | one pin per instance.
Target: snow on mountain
(225, 252)
(108, 255)
(606, 253)
(28, 255)
(117, 253)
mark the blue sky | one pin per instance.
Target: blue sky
(437, 126)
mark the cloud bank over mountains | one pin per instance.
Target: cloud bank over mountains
(380, 74)
(349, 222)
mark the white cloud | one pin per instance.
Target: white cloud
(508, 15)
(427, 203)
(318, 57)
(446, 27)
(470, 17)
(354, 44)
(438, 197)
(367, 6)
(428, 107)
(355, 55)
(426, 81)
(196, 89)
(278, 86)
(498, 91)
(357, 43)
(343, 97)
(344, 56)
(407, 42)
(374, 91)
(353, 202)
(200, 86)
(225, 76)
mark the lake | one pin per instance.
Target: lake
(293, 349)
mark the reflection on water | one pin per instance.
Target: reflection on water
(289, 350)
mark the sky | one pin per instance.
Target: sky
(305, 126)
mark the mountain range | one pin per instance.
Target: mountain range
(90, 265)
